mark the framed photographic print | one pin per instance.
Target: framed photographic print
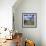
(29, 20)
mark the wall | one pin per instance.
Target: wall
(6, 13)
(43, 22)
(28, 6)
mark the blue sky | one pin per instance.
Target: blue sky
(28, 17)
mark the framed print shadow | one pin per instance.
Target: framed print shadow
(29, 20)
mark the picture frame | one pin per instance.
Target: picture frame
(29, 20)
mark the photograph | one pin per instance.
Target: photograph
(29, 20)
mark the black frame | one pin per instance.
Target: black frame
(35, 20)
